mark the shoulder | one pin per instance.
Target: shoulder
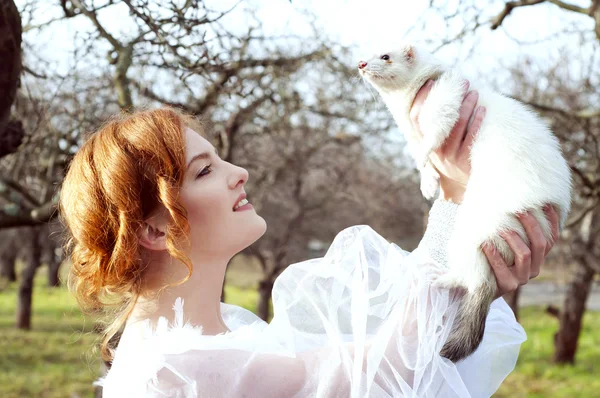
(218, 369)
(169, 356)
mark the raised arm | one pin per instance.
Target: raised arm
(383, 339)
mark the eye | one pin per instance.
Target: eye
(206, 170)
(385, 57)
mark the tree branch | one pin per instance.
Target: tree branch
(508, 7)
(581, 216)
(7, 185)
(40, 215)
(511, 5)
(149, 93)
(582, 114)
(570, 7)
(91, 14)
(235, 122)
(554, 311)
(584, 179)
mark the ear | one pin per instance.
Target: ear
(153, 235)
(410, 53)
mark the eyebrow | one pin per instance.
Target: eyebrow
(203, 155)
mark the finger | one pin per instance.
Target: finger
(459, 131)
(537, 242)
(522, 254)
(464, 151)
(417, 104)
(552, 216)
(505, 279)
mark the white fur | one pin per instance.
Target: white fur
(516, 161)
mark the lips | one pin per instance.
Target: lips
(242, 196)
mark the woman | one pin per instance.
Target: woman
(155, 216)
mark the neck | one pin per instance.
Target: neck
(201, 294)
(425, 73)
(399, 102)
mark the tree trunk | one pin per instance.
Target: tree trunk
(583, 248)
(11, 131)
(265, 289)
(49, 257)
(49, 246)
(124, 60)
(25, 294)
(565, 340)
(53, 270)
(7, 265)
(512, 299)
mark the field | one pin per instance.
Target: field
(56, 358)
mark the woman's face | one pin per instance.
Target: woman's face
(211, 193)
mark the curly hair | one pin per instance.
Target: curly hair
(119, 176)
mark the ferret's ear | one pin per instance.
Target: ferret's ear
(409, 53)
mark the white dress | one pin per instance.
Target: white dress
(363, 321)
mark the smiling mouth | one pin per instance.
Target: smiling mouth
(241, 203)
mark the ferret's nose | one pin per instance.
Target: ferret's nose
(361, 64)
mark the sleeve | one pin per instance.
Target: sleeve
(439, 227)
(498, 353)
(363, 321)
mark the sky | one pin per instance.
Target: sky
(369, 26)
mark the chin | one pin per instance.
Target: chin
(261, 228)
(253, 231)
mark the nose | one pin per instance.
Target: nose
(239, 176)
(361, 64)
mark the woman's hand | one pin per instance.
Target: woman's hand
(451, 160)
(528, 260)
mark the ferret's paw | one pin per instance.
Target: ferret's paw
(441, 109)
(422, 157)
(429, 183)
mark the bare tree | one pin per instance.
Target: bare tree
(312, 173)
(30, 239)
(11, 131)
(8, 255)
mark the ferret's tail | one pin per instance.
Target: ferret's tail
(469, 324)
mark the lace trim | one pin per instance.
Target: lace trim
(439, 228)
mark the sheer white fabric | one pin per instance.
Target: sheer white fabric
(363, 321)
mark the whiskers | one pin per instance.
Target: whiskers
(363, 78)
(379, 78)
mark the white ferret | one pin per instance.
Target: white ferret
(516, 166)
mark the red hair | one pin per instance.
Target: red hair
(119, 176)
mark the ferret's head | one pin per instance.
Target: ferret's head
(393, 70)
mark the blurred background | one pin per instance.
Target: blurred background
(276, 87)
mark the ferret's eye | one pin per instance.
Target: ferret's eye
(385, 57)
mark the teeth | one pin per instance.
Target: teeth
(240, 204)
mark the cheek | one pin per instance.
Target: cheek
(214, 227)
(208, 212)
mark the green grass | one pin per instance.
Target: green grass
(536, 377)
(56, 358)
